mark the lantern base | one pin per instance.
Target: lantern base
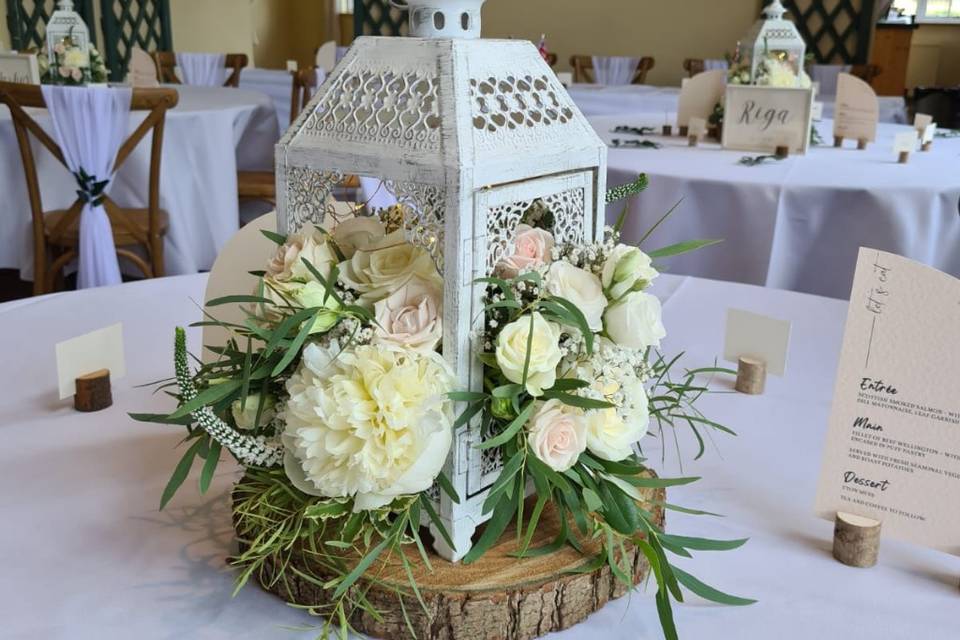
(498, 597)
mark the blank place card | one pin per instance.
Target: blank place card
(100, 349)
(757, 336)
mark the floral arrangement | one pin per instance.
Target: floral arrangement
(72, 65)
(775, 69)
(334, 397)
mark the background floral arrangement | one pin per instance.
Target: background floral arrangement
(335, 399)
(72, 65)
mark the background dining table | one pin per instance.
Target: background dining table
(86, 554)
(792, 224)
(211, 134)
(600, 100)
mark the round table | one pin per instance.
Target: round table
(209, 135)
(86, 554)
(599, 100)
(794, 224)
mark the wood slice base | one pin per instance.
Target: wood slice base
(499, 597)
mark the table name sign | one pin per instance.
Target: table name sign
(857, 111)
(699, 96)
(21, 68)
(893, 446)
(764, 118)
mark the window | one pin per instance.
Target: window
(343, 6)
(930, 10)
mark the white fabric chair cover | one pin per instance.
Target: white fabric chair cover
(321, 75)
(90, 124)
(375, 194)
(716, 64)
(826, 76)
(202, 69)
(614, 70)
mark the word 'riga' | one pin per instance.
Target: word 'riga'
(766, 116)
(851, 477)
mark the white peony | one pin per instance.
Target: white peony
(557, 435)
(76, 57)
(635, 321)
(580, 287)
(545, 352)
(411, 317)
(358, 232)
(626, 268)
(372, 423)
(379, 269)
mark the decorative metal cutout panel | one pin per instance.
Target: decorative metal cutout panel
(27, 21)
(130, 23)
(836, 31)
(398, 109)
(306, 197)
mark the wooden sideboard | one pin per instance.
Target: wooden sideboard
(891, 52)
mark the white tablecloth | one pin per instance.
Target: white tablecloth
(597, 100)
(795, 224)
(210, 134)
(85, 554)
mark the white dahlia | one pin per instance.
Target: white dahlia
(372, 423)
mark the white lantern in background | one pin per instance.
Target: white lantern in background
(66, 27)
(468, 134)
(773, 35)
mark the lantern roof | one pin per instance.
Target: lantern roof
(441, 110)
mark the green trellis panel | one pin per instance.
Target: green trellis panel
(129, 23)
(836, 31)
(378, 18)
(27, 21)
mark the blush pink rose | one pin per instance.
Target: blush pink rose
(532, 248)
(557, 435)
(411, 317)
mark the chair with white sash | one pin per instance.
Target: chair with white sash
(693, 66)
(584, 69)
(94, 230)
(200, 68)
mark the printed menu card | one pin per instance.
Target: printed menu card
(893, 445)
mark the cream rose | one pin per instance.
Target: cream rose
(380, 269)
(372, 422)
(411, 317)
(557, 435)
(580, 287)
(283, 295)
(287, 262)
(626, 268)
(532, 248)
(245, 412)
(635, 321)
(545, 352)
(356, 233)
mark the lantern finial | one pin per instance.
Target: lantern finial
(65, 5)
(774, 10)
(443, 18)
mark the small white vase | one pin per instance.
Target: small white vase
(443, 18)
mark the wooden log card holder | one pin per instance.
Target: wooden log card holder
(856, 540)
(93, 391)
(751, 376)
(861, 143)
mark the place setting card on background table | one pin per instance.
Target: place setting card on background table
(892, 455)
(857, 112)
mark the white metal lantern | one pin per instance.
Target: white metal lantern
(66, 26)
(774, 36)
(468, 134)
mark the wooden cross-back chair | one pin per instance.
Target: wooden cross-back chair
(693, 66)
(166, 62)
(57, 232)
(583, 69)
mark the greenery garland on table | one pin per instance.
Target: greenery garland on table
(333, 395)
